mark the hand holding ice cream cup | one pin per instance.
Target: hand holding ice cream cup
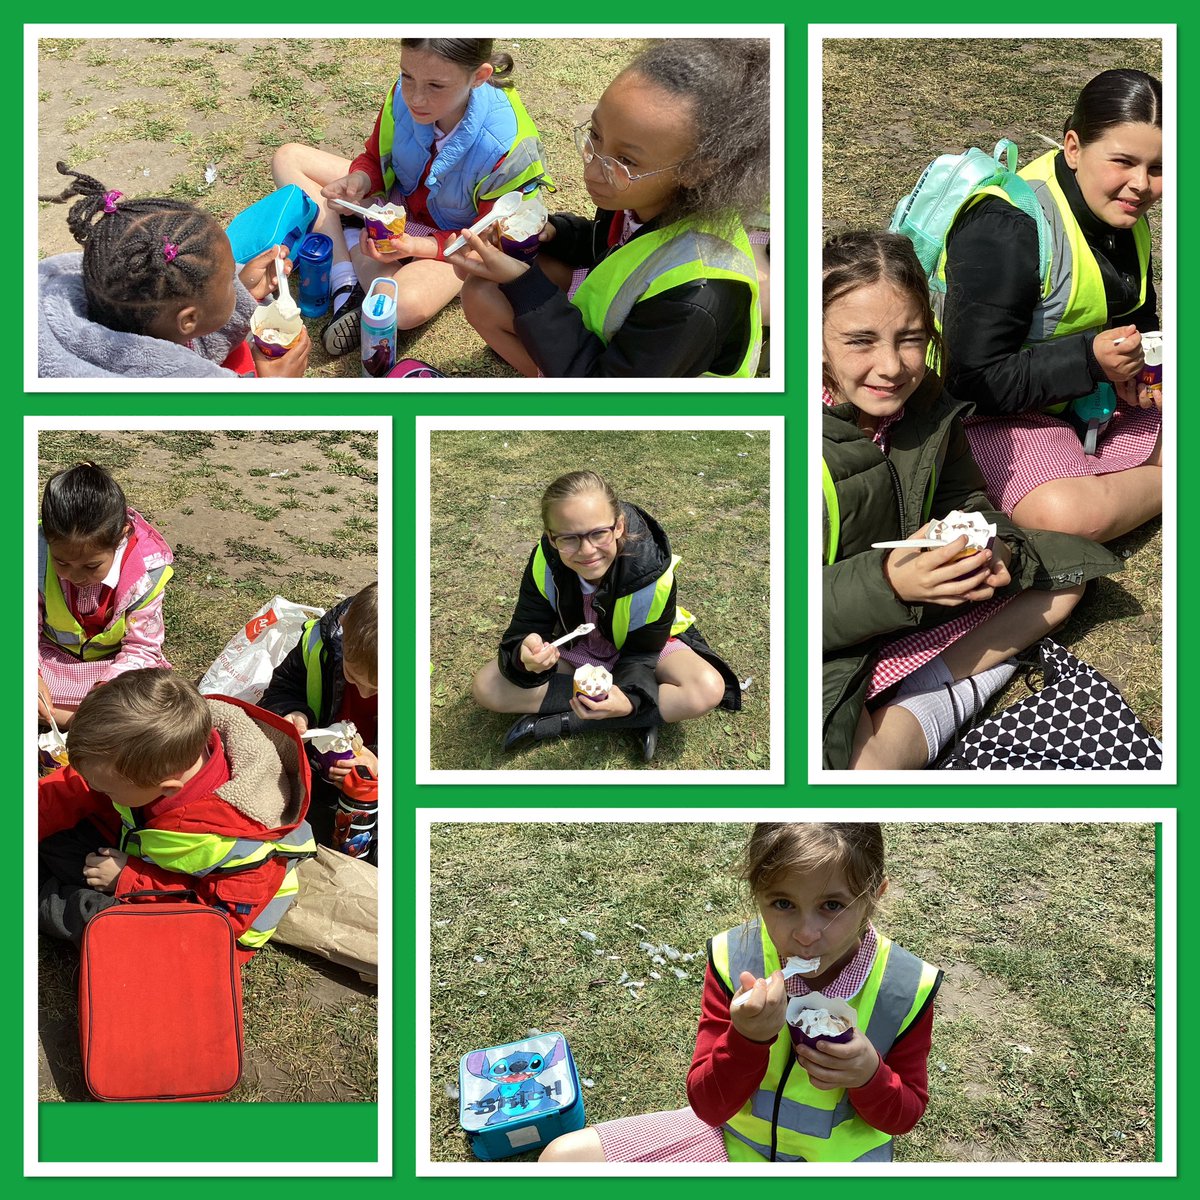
(1150, 377)
(520, 233)
(276, 327)
(334, 745)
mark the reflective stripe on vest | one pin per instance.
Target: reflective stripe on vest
(202, 854)
(662, 259)
(311, 643)
(1073, 298)
(60, 625)
(520, 164)
(816, 1125)
(544, 578)
(831, 514)
(630, 613)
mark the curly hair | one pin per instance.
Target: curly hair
(470, 53)
(128, 275)
(727, 81)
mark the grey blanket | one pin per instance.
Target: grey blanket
(72, 347)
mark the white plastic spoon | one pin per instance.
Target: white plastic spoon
(578, 631)
(504, 207)
(287, 306)
(362, 212)
(910, 543)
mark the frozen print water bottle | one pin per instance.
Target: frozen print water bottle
(379, 328)
(313, 264)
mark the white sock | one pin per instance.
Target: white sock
(943, 706)
(342, 274)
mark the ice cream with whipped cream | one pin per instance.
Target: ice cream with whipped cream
(812, 1019)
(978, 530)
(519, 233)
(384, 222)
(592, 681)
(276, 326)
(333, 744)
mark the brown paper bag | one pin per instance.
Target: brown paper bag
(336, 914)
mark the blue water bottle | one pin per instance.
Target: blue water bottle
(313, 263)
(379, 328)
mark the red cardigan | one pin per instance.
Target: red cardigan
(727, 1069)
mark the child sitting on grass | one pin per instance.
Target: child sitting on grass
(756, 1092)
(169, 790)
(102, 570)
(153, 295)
(676, 158)
(332, 674)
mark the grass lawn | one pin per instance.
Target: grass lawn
(893, 105)
(248, 515)
(1044, 1029)
(710, 491)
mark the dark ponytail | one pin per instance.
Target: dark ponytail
(1115, 98)
(470, 53)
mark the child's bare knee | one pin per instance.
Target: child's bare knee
(483, 687)
(1063, 602)
(712, 689)
(283, 160)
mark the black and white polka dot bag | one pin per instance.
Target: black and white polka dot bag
(1077, 722)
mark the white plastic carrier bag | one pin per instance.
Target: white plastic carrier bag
(244, 668)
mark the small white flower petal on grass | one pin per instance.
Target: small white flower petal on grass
(613, 957)
(747, 682)
(649, 947)
(679, 974)
(439, 924)
(639, 928)
(477, 958)
(655, 975)
(562, 920)
(481, 992)
(1023, 1049)
(659, 961)
(452, 1092)
(210, 174)
(587, 937)
(588, 1083)
(624, 976)
(709, 907)
(671, 952)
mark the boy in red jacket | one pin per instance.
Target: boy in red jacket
(166, 790)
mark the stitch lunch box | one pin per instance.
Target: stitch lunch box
(518, 1096)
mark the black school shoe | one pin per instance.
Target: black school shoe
(533, 727)
(344, 331)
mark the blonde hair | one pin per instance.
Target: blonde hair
(360, 632)
(146, 726)
(778, 848)
(579, 483)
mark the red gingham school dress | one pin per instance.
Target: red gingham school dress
(899, 658)
(681, 1136)
(1017, 454)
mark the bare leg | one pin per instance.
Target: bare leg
(891, 738)
(493, 692)
(424, 287)
(1100, 507)
(687, 686)
(312, 169)
(583, 1145)
(487, 309)
(1027, 619)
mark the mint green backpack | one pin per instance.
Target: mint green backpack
(926, 215)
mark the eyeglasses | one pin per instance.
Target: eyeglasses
(572, 543)
(616, 174)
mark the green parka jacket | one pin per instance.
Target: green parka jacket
(927, 472)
